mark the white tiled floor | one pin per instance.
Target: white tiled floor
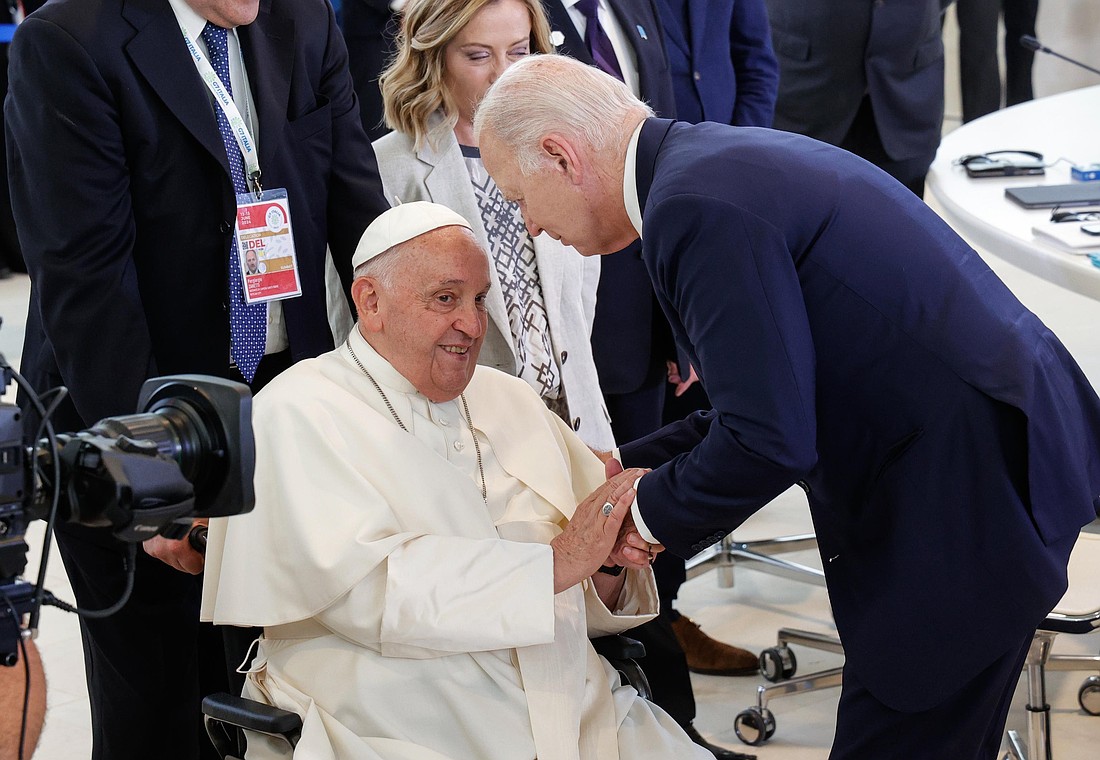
(750, 613)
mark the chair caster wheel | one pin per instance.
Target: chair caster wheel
(754, 726)
(778, 663)
(1088, 696)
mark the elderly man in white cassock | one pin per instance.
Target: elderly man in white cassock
(425, 550)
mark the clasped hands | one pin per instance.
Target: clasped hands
(602, 532)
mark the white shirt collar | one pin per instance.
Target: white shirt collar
(630, 181)
(188, 18)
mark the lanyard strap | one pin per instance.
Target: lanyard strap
(225, 102)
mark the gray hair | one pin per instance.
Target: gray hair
(382, 267)
(541, 94)
(386, 266)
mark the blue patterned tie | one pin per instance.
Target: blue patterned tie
(247, 322)
(599, 44)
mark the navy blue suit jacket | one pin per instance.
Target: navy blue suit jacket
(123, 199)
(722, 62)
(851, 341)
(629, 334)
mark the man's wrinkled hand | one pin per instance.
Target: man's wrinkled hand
(176, 553)
(589, 536)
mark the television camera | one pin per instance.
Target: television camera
(187, 453)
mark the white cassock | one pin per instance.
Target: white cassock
(404, 618)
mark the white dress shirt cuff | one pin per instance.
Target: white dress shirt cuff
(636, 513)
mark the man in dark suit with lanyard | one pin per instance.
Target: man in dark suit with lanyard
(136, 129)
(852, 343)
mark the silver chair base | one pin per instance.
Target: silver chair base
(725, 555)
(1039, 661)
(755, 725)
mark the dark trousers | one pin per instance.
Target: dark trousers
(638, 413)
(980, 76)
(967, 726)
(863, 140)
(149, 665)
(666, 668)
(1019, 18)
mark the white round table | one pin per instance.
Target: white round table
(1065, 125)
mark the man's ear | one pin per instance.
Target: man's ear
(364, 294)
(562, 153)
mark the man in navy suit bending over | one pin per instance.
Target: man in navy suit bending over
(850, 342)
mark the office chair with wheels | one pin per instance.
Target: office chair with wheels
(778, 664)
(227, 717)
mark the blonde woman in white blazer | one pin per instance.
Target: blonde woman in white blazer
(541, 306)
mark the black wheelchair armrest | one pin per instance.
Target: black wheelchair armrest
(227, 714)
(250, 714)
(623, 652)
(619, 647)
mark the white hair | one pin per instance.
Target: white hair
(385, 267)
(382, 267)
(541, 94)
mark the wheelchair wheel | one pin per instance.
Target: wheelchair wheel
(1089, 695)
(778, 663)
(754, 726)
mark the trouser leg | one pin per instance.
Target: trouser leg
(967, 726)
(979, 71)
(147, 666)
(1019, 20)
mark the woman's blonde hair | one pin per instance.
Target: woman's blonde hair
(412, 84)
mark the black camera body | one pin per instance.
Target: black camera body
(189, 452)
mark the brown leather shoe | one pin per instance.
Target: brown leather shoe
(709, 656)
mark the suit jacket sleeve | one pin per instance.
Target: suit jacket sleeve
(71, 195)
(754, 65)
(355, 188)
(730, 279)
(369, 27)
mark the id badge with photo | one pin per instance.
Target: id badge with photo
(265, 247)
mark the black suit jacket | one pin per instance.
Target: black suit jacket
(830, 54)
(370, 27)
(123, 198)
(629, 333)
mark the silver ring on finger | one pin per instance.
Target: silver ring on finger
(606, 508)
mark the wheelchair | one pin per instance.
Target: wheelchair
(227, 717)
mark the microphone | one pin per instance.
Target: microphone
(1034, 45)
